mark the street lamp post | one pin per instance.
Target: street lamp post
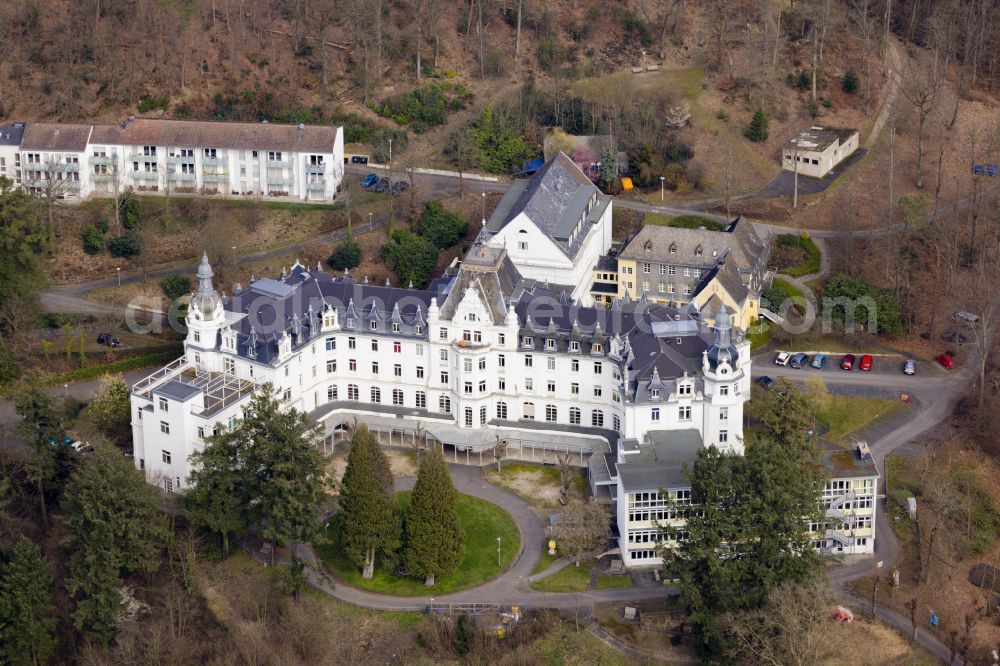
(662, 178)
(484, 206)
(118, 271)
(370, 227)
(390, 151)
(234, 255)
(498, 551)
(66, 390)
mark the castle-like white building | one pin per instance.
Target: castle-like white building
(484, 355)
(161, 156)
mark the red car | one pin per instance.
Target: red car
(847, 363)
(866, 363)
(945, 360)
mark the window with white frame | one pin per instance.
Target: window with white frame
(165, 455)
(164, 427)
(528, 411)
(331, 344)
(654, 414)
(574, 416)
(397, 397)
(502, 410)
(164, 405)
(551, 413)
(331, 392)
(597, 418)
(684, 413)
(352, 392)
(444, 404)
(444, 377)
(421, 399)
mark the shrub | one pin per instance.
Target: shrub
(93, 240)
(851, 82)
(129, 206)
(345, 256)
(547, 57)
(124, 246)
(175, 285)
(148, 103)
(493, 142)
(757, 129)
(410, 257)
(426, 106)
(440, 227)
(102, 225)
(857, 292)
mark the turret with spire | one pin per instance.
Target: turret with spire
(206, 316)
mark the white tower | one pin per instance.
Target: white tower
(726, 387)
(205, 319)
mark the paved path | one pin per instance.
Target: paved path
(510, 588)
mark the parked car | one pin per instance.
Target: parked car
(399, 186)
(818, 361)
(782, 358)
(381, 186)
(945, 360)
(765, 382)
(798, 360)
(964, 318)
(866, 363)
(954, 336)
(369, 180)
(910, 367)
(847, 363)
(107, 340)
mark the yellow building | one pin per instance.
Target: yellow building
(708, 268)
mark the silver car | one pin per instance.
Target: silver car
(910, 367)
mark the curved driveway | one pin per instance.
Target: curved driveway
(510, 588)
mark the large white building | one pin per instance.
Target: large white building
(160, 156)
(485, 354)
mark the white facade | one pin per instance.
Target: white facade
(154, 156)
(818, 150)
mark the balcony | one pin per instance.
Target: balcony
(101, 177)
(68, 167)
(316, 187)
(278, 164)
(109, 159)
(278, 181)
(215, 177)
(212, 161)
(177, 159)
(181, 176)
(316, 169)
(146, 175)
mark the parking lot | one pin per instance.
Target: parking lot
(886, 372)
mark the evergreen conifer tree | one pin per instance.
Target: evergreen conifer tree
(27, 616)
(216, 497)
(757, 130)
(434, 540)
(369, 521)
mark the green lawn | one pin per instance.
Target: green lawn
(546, 561)
(681, 221)
(605, 582)
(760, 333)
(813, 255)
(482, 521)
(570, 578)
(843, 414)
(791, 291)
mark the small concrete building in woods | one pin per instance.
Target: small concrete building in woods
(818, 150)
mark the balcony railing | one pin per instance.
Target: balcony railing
(67, 167)
(316, 169)
(277, 180)
(146, 175)
(102, 176)
(278, 164)
(212, 161)
(176, 159)
(316, 187)
(104, 159)
(181, 176)
(215, 177)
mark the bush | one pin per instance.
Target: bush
(772, 298)
(102, 225)
(129, 206)
(93, 240)
(547, 57)
(410, 257)
(426, 106)
(440, 227)
(860, 294)
(851, 82)
(492, 142)
(148, 103)
(175, 285)
(345, 256)
(124, 246)
(757, 129)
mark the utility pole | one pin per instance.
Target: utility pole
(892, 155)
(795, 188)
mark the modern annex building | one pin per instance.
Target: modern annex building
(484, 355)
(160, 156)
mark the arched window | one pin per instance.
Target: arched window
(502, 410)
(574, 416)
(482, 416)
(352, 392)
(331, 392)
(376, 394)
(597, 418)
(528, 411)
(551, 413)
(397, 397)
(444, 404)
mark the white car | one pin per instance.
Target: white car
(782, 358)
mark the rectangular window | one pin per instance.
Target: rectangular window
(421, 400)
(352, 365)
(468, 388)
(163, 405)
(467, 364)
(684, 413)
(723, 436)
(331, 344)
(352, 343)
(397, 370)
(374, 367)
(551, 362)
(724, 389)
(166, 456)
(645, 268)
(501, 361)
(395, 327)
(654, 414)
(482, 386)
(482, 362)
(574, 388)
(444, 377)
(597, 367)
(574, 346)
(501, 339)
(397, 347)
(374, 345)
(724, 414)
(529, 384)
(528, 361)
(598, 391)
(443, 334)
(551, 386)
(574, 365)
(331, 392)
(501, 384)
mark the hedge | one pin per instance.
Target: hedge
(131, 363)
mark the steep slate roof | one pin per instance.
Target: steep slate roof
(489, 271)
(228, 135)
(10, 135)
(555, 199)
(54, 137)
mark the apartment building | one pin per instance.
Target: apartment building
(10, 157)
(711, 269)
(848, 501)
(160, 156)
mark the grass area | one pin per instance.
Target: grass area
(791, 291)
(482, 521)
(131, 363)
(606, 582)
(97, 202)
(570, 578)
(537, 485)
(813, 255)
(682, 221)
(844, 414)
(760, 333)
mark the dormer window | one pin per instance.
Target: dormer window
(654, 394)
(419, 330)
(373, 325)
(550, 343)
(470, 317)
(350, 323)
(597, 348)
(673, 248)
(574, 346)
(698, 251)
(395, 327)
(684, 389)
(528, 341)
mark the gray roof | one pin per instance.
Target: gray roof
(177, 390)
(661, 461)
(54, 137)
(488, 271)
(215, 134)
(559, 199)
(10, 135)
(819, 139)
(845, 463)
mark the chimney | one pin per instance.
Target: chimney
(302, 130)
(55, 132)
